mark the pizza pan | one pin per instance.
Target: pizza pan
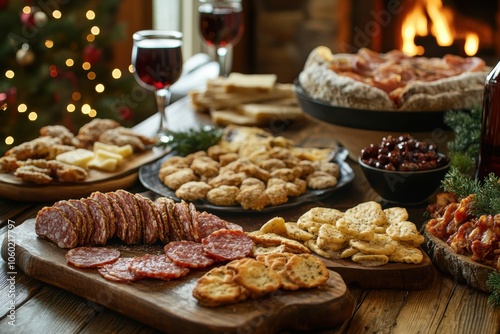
(388, 120)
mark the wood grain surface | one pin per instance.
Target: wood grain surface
(170, 306)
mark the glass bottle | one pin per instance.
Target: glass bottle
(489, 149)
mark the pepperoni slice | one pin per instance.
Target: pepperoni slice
(91, 257)
(188, 254)
(227, 245)
(157, 266)
(119, 271)
(208, 223)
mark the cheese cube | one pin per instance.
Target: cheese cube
(79, 157)
(124, 150)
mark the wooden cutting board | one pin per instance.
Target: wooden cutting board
(169, 306)
(124, 176)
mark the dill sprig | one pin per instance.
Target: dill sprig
(493, 283)
(193, 140)
(464, 148)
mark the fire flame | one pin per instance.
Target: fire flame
(441, 27)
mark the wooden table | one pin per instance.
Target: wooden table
(446, 306)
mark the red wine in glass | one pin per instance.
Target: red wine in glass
(220, 26)
(158, 63)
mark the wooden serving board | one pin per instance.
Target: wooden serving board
(169, 306)
(459, 266)
(389, 276)
(12, 187)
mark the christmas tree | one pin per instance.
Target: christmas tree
(56, 63)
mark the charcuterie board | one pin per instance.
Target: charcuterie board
(169, 306)
(124, 176)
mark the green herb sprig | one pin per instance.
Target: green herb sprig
(464, 148)
(193, 140)
(487, 192)
(493, 283)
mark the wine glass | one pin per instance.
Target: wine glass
(221, 26)
(157, 62)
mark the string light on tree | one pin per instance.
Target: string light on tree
(55, 60)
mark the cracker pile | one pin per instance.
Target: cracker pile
(253, 278)
(246, 99)
(366, 234)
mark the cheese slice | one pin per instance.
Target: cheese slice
(103, 155)
(124, 150)
(107, 164)
(79, 157)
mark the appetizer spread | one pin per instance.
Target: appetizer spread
(393, 81)
(250, 168)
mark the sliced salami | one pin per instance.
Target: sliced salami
(75, 217)
(88, 226)
(188, 254)
(162, 208)
(183, 217)
(227, 245)
(108, 210)
(131, 228)
(162, 229)
(52, 223)
(150, 224)
(91, 257)
(121, 229)
(194, 222)
(209, 223)
(157, 266)
(119, 271)
(100, 235)
(132, 203)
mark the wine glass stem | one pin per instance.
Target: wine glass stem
(225, 67)
(162, 101)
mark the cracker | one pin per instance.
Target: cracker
(217, 288)
(322, 215)
(356, 228)
(255, 276)
(367, 212)
(294, 232)
(329, 254)
(396, 214)
(406, 255)
(381, 244)
(405, 231)
(262, 250)
(279, 266)
(329, 237)
(275, 225)
(307, 271)
(348, 252)
(273, 239)
(370, 260)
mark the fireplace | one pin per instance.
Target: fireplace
(281, 33)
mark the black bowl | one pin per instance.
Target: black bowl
(404, 187)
